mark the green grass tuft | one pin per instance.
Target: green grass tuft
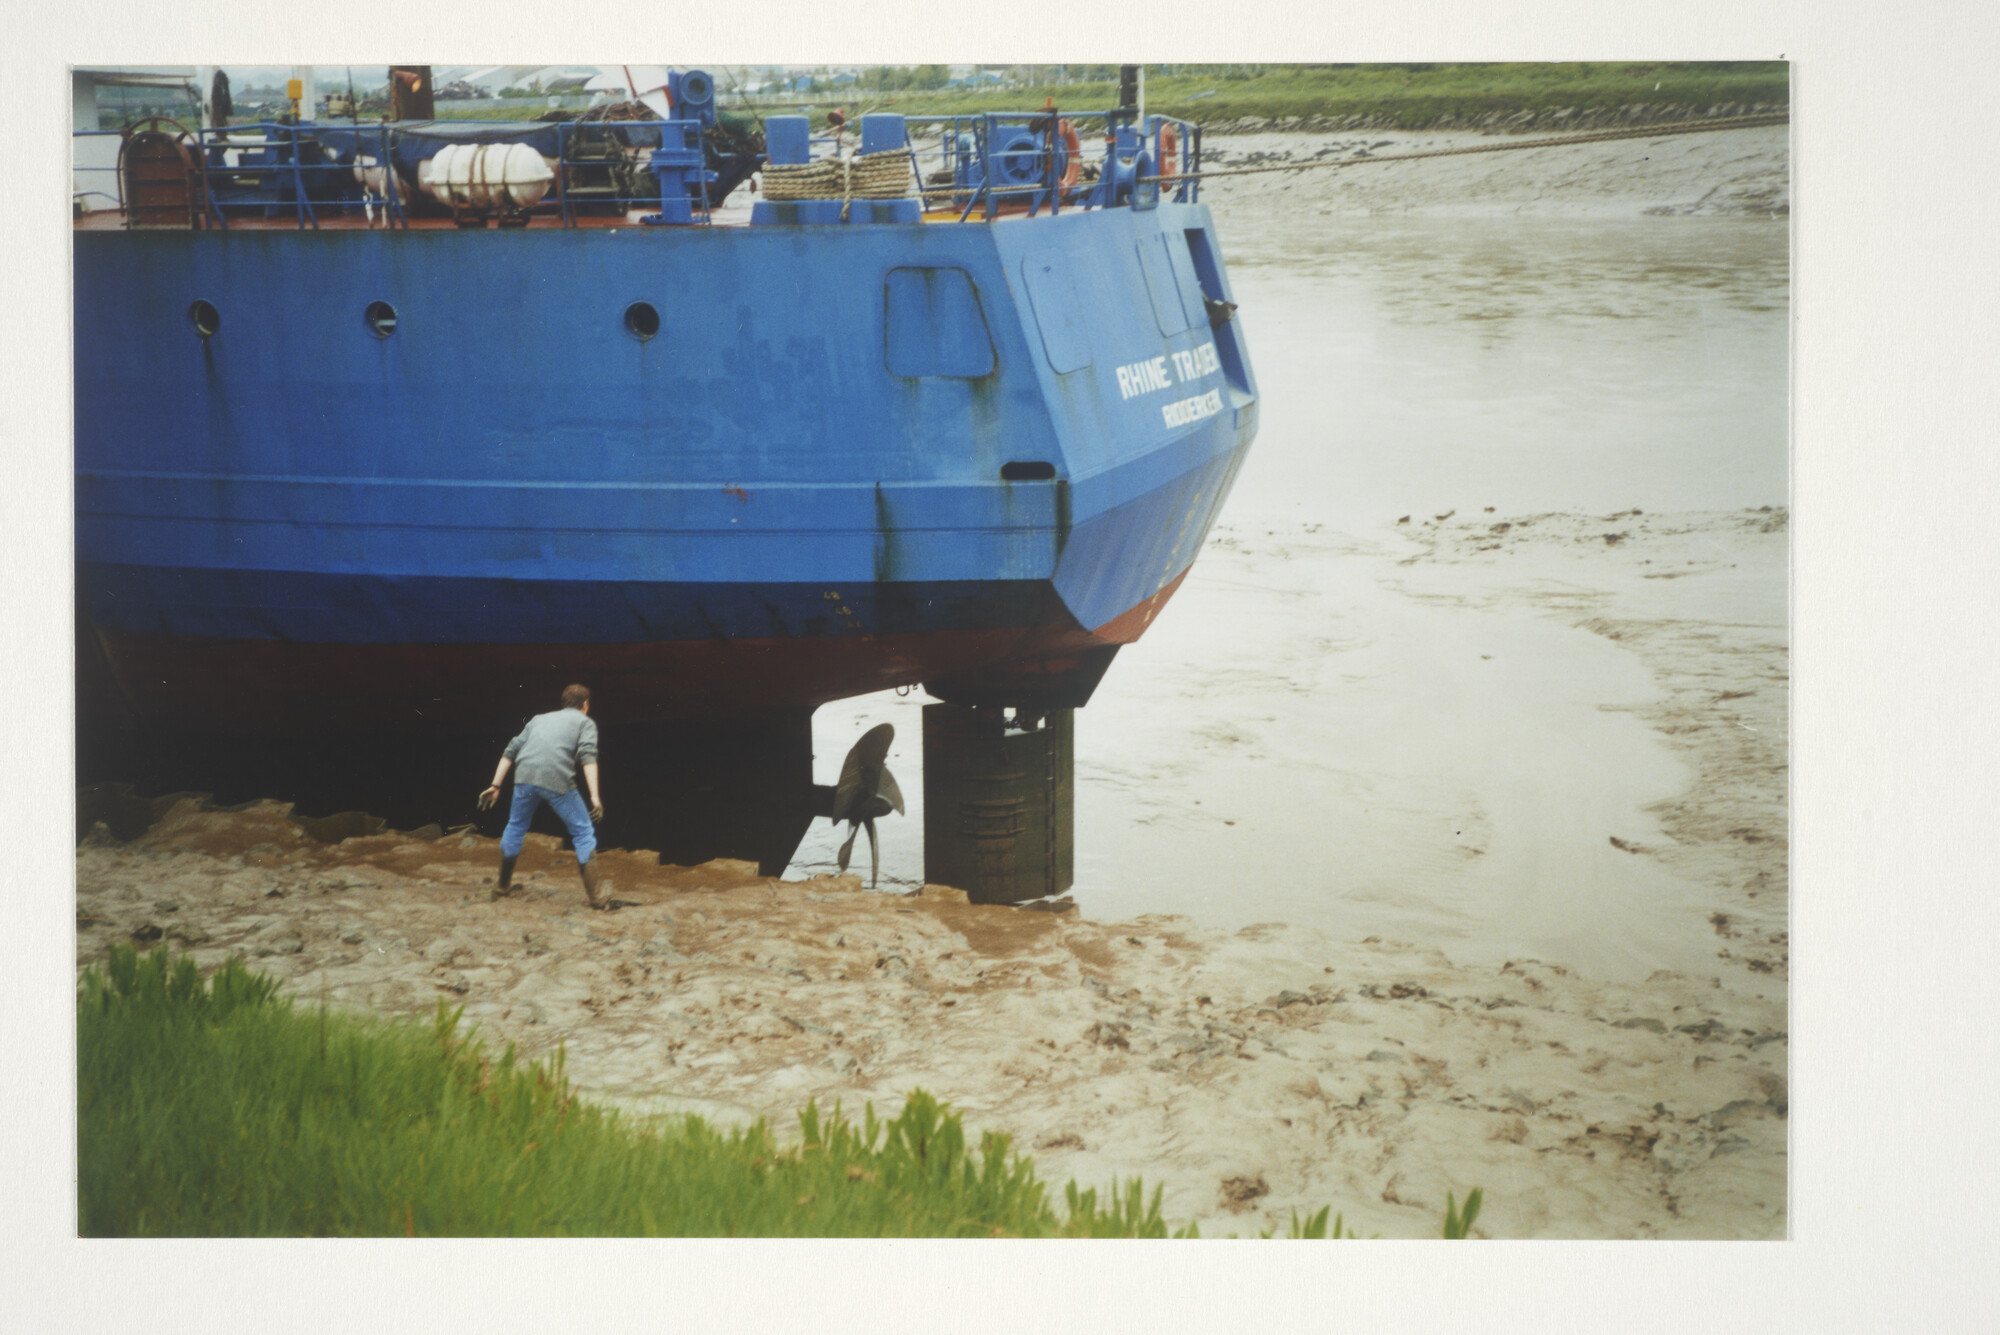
(1457, 1222)
(1316, 1227)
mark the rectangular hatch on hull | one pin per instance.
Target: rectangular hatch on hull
(1052, 296)
(1171, 282)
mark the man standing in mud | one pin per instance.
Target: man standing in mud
(548, 752)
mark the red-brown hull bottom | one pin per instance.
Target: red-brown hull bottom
(271, 689)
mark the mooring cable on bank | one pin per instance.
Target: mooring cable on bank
(1593, 137)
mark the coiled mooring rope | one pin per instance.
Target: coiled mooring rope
(865, 176)
(786, 182)
(883, 175)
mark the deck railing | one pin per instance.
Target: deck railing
(988, 163)
(995, 158)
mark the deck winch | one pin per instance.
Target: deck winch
(680, 163)
(1015, 152)
(1125, 161)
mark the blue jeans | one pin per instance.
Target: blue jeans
(568, 805)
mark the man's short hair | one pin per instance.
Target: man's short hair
(575, 697)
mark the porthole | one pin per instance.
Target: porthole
(206, 318)
(381, 318)
(642, 321)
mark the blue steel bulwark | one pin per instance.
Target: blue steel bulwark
(874, 453)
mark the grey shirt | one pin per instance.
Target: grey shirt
(552, 747)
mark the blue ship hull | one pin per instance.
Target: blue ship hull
(975, 456)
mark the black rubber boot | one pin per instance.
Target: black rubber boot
(506, 872)
(588, 870)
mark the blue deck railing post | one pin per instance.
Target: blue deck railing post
(982, 192)
(562, 173)
(707, 211)
(916, 168)
(1055, 176)
(306, 214)
(1044, 163)
(987, 157)
(207, 190)
(390, 193)
(1193, 195)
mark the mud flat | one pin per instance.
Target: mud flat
(1722, 173)
(1551, 736)
(1700, 601)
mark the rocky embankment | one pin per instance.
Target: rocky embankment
(1253, 1072)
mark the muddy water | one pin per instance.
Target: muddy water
(1591, 327)
(1423, 365)
(1315, 734)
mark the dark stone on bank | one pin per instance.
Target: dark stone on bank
(1238, 1192)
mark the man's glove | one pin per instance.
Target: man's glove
(597, 813)
(488, 798)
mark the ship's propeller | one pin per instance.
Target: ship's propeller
(867, 790)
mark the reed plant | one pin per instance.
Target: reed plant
(218, 1107)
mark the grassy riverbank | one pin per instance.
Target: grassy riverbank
(1407, 96)
(215, 1107)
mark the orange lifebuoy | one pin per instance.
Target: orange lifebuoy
(1072, 155)
(1170, 153)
